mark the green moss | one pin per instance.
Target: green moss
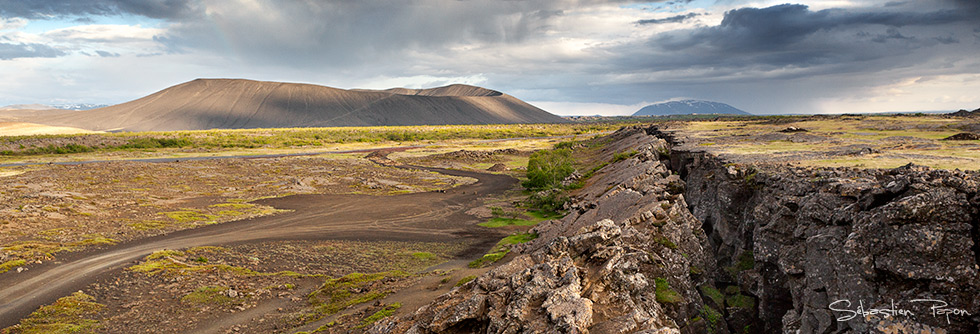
(337, 294)
(66, 315)
(208, 249)
(488, 259)
(164, 253)
(465, 280)
(208, 295)
(233, 206)
(712, 317)
(740, 301)
(387, 311)
(714, 294)
(6, 266)
(154, 267)
(666, 242)
(517, 239)
(536, 216)
(543, 215)
(149, 225)
(185, 216)
(501, 249)
(94, 239)
(623, 156)
(424, 256)
(745, 261)
(166, 261)
(501, 222)
(664, 294)
(694, 270)
(32, 249)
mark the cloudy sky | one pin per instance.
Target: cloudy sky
(566, 56)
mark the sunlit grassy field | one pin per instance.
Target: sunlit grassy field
(178, 144)
(890, 140)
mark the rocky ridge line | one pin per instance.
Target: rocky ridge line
(622, 262)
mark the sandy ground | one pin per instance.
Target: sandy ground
(435, 220)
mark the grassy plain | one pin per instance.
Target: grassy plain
(861, 141)
(49, 210)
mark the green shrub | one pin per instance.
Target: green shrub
(549, 201)
(546, 169)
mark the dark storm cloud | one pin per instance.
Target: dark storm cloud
(43, 9)
(342, 33)
(765, 29)
(672, 19)
(28, 50)
(794, 36)
(889, 35)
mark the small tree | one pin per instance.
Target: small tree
(547, 168)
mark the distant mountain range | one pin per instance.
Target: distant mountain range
(687, 107)
(238, 104)
(67, 106)
(79, 106)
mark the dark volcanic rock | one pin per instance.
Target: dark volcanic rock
(818, 236)
(631, 271)
(707, 246)
(963, 136)
(965, 113)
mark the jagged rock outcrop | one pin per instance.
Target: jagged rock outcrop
(624, 261)
(700, 245)
(818, 236)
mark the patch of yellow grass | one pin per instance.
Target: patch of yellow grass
(30, 129)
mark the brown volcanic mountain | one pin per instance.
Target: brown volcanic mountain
(237, 104)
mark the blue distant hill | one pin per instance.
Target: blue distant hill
(688, 107)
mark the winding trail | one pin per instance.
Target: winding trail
(428, 216)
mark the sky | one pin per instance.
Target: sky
(569, 57)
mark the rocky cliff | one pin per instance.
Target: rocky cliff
(823, 242)
(681, 242)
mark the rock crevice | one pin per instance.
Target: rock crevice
(683, 242)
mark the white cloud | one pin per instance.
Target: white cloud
(421, 81)
(588, 109)
(104, 33)
(12, 23)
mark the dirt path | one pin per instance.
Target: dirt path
(430, 216)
